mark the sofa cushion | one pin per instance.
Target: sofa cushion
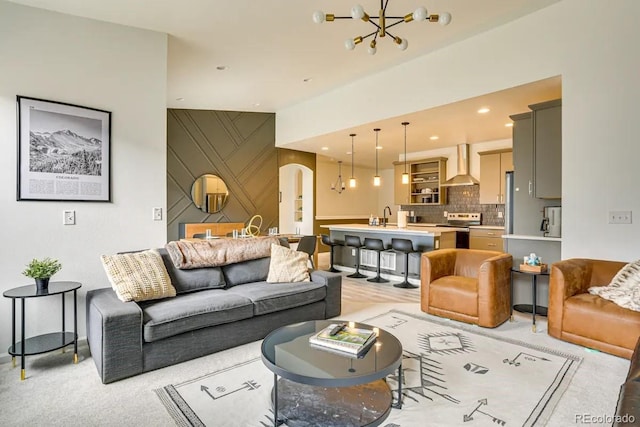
(192, 280)
(288, 265)
(601, 320)
(455, 293)
(191, 311)
(255, 270)
(270, 297)
(138, 276)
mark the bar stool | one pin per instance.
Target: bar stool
(326, 240)
(354, 242)
(378, 246)
(405, 246)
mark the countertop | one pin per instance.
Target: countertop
(487, 227)
(415, 229)
(529, 237)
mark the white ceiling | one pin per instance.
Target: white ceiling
(270, 48)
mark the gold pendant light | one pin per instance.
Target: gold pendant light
(376, 179)
(405, 175)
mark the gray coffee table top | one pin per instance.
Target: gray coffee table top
(287, 353)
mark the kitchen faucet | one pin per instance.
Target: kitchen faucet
(384, 215)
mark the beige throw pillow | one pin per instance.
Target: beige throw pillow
(138, 276)
(287, 265)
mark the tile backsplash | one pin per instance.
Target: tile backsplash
(459, 199)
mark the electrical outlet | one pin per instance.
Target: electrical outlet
(446, 213)
(353, 252)
(619, 217)
(157, 214)
(500, 214)
(69, 217)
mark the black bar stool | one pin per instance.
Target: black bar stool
(354, 242)
(378, 246)
(405, 246)
(326, 240)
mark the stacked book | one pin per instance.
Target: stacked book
(344, 339)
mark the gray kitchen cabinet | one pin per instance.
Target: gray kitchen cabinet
(493, 165)
(527, 210)
(547, 149)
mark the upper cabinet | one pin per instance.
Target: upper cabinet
(547, 149)
(493, 165)
(425, 182)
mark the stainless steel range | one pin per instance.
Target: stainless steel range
(462, 221)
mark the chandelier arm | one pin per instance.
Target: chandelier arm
(395, 23)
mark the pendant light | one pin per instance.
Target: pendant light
(376, 178)
(405, 175)
(352, 180)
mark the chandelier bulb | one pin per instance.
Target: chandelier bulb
(444, 18)
(349, 44)
(420, 14)
(372, 48)
(357, 12)
(318, 17)
(402, 43)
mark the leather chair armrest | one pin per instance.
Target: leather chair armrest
(494, 289)
(568, 278)
(434, 265)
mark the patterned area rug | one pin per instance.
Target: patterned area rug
(454, 376)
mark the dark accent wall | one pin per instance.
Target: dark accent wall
(239, 147)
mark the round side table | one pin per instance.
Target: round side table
(47, 342)
(529, 308)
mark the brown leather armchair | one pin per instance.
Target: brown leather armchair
(576, 316)
(469, 285)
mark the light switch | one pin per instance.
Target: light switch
(157, 214)
(69, 217)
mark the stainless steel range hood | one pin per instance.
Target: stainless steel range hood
(463, 177)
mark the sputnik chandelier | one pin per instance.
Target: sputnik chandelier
(382, 27)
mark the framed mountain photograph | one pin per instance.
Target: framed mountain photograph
(63, 152)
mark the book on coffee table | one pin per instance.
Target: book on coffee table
(348, 339)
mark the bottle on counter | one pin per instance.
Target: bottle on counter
(370, 219)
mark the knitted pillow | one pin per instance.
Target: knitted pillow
(624, 289)
(138, 276)
(287, 265)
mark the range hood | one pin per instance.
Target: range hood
(463, 177)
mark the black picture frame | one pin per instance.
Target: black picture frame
(64, 152)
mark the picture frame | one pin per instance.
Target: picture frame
(64, 152)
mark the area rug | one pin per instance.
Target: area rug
(453, 376)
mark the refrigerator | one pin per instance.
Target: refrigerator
(508, 202)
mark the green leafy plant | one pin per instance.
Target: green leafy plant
(42, 269)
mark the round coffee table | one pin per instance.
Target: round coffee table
(323, 387)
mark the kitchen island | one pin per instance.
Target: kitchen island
(423, 238)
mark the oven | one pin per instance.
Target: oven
(462, 221)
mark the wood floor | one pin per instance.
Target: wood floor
(359, 290)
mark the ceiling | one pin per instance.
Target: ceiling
(275, 57)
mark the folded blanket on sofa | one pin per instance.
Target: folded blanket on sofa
(624, 289)
(186, 255)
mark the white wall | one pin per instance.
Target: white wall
(351, 203)
(89, 63)
(598, 60)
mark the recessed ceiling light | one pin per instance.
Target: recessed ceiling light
(434, 137)
(509, 125)
(179, 99)
(324, 148)
(484, 110)
(221, 67)
(256, 104)
(349, 152)
(379, 147)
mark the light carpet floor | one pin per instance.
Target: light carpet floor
(57, 392)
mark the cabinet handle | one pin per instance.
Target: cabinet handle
(498, 198)
(502, 198)
(491, 244)
(491, 234)
(530, 188)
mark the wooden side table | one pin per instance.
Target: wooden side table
(46, 342)
(529, 308)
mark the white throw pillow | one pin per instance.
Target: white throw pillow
(624, 289)
(138, 276)
(287, 265)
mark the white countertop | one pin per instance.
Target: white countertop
(414, 229)
(488, 227)
(529, 237)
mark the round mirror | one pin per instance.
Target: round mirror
(209, 193)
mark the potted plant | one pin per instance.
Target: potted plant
(41, 271)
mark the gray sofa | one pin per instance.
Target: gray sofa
(214, 309)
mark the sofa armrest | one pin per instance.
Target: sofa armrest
(333, 282)
(494, 289)
(114, 334)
